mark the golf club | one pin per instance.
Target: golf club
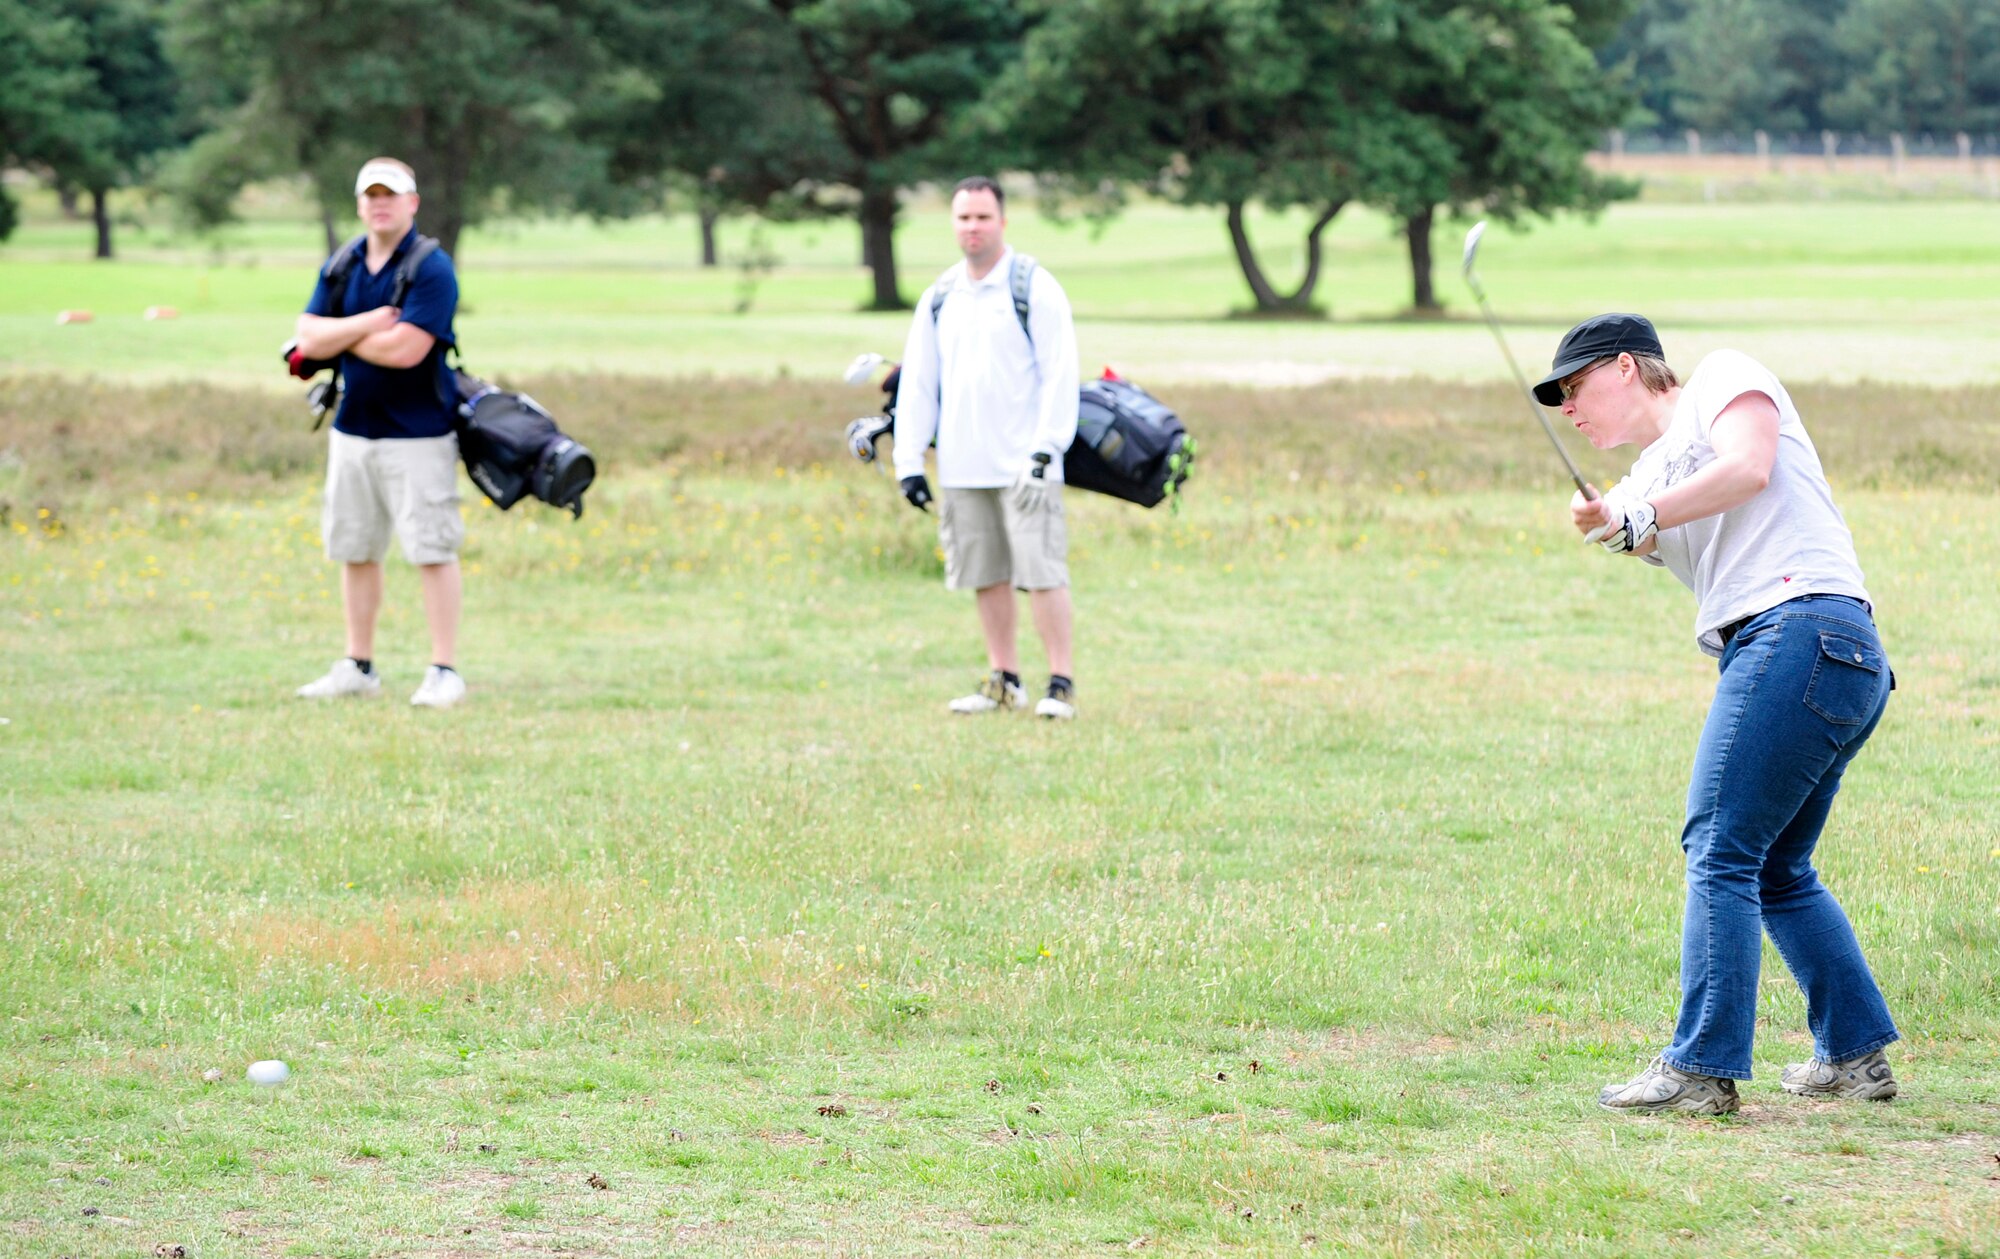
(1479, 292)
(862, 368)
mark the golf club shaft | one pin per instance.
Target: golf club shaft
(1575, 474)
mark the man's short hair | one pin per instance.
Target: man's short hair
(980, 183)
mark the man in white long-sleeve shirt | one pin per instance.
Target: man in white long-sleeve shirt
(990, 371)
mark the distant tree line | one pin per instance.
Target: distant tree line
(1804, 66)
(817, 108)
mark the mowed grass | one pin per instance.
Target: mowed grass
(1837, 290)
(1319, 931)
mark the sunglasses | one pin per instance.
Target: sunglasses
(1569, 385)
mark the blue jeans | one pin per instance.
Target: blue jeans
(1802, 688)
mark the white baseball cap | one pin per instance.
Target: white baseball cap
(387, 174)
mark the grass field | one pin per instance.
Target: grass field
(1317, 934)
(1834, 290)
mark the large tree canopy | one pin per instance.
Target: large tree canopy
(1204, 102)
(49, 106)
(713, 102)
(1403, 104)
(899, 80)
(479, 98)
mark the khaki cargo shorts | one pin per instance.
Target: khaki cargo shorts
(987, 541)
(404, 485)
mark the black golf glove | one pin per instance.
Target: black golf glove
(918, 491)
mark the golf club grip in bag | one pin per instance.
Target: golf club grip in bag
(513, 449)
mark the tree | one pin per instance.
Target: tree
(1503, 100)
(711, 104)
(900, 81)
(478, 97)
(1203, 102)
(133, 92)
(1918, 65)
(47, 107)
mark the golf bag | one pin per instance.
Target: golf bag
(513, 449)
(1128, 444)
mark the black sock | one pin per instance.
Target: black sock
(447, 668)
(1010, 678)
(1061, 682)
(366, 666)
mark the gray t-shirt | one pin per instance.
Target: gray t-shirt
(1788, 541)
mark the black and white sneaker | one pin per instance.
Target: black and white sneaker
(1059, 704)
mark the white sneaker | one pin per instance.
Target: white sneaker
(441, 689)
(995, 694)
(1058, 705)
(344, 678)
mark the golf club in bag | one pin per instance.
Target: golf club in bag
(1129, 445)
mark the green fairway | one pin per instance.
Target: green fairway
(1318, 933)
(1836, 291)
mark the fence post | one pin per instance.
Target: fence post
(1895, 155)
(1694, 142)
(1764, 149)
(1964, 149)
(1831, 143)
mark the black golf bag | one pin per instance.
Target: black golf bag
(513, 449)
(1128, 444)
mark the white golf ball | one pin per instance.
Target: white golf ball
(269, 1072)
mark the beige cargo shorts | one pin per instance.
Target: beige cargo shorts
(988, 541)
(407, 486)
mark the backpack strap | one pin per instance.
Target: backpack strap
(338, 267)
(406, 270)
(1020, 279)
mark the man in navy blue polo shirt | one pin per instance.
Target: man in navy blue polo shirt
(392, 458)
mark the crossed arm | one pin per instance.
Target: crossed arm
(376, 335)
(1745, 437)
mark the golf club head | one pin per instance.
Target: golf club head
(1472, 245)
(862, 368)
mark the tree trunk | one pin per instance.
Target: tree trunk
(709, 217)
(100, 214)
(1267, 297)
(326, 225)
(878, 245)
(66, 198)
(1417, 229)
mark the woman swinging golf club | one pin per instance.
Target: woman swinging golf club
(1728, 494)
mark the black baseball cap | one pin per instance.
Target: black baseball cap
(1599, 336)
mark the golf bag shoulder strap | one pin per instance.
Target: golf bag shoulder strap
(341, 265)
(1020, 279)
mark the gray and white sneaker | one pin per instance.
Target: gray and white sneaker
(441, 688)
(1663, 1086)
(343, 679)
(1866, 1079)
(995, 694)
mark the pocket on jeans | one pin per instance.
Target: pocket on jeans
(1846, 683)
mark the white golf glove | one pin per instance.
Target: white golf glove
(1034, 489)
(1630, 525)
